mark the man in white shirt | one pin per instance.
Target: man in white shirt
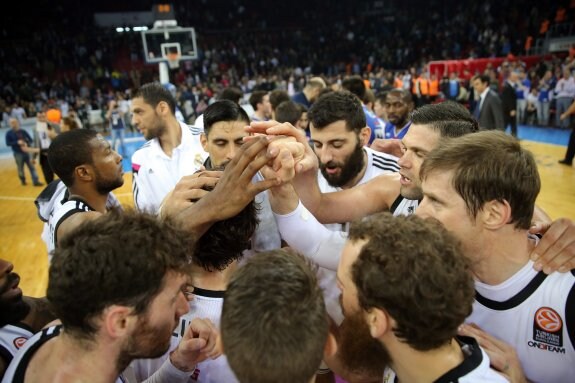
(564, 95)
(173, 150)
(483, 188)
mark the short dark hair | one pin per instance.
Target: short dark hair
(223, 110)
(336, 106)
(355, 85)
(288, 111)
(484, 78)
(487, 166)
(415, 270)
(225, 241)
(448, 118)
(232, 93)
(274, 323)
(69, 150)
(278, 96)
(401, 93)
(153, 93)
(257, 97)
(120, 258)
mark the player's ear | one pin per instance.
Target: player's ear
(364, 135)
(330, 347)
(204, 141)
(378, 321)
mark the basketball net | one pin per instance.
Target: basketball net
(173, 60)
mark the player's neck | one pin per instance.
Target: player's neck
(93, 198)
(430, 364)
(260, 116)
(66, 360)
(502, 255)
(172, 137)
(213, 280)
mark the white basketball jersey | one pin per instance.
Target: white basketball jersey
(206, 304)
(12, 338)
(403, 206)
(377, 163)
(58, 216)
(534, 313)
(474, 368)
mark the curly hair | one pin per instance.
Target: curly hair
(120, 258)
(414, 270)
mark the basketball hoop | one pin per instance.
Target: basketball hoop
(173, 60)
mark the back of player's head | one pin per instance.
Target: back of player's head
(355, 85)
(274, 324)
(277, 96)
(224, 110)
(153, 93)
(69, 150)
(257, 97)
(232, 93)
(488, 166)
(288, 111)
(120, 258)
(414, 270)
(225, 241)
(449, 119)
(337, 106)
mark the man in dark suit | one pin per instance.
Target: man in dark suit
(488, 110)
(509, 101)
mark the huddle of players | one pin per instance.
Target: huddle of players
(402, 303)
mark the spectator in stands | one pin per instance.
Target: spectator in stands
(260, 101)
(532, 107)
(18, 112)
(115, 117)
(288, 111)
(356, 86)
(19, 140)
(277, 96)
(545, 94)
(310, 91)
(44, 133)
(509, 102)
(68, 123)
(488, 110)
(564, 95)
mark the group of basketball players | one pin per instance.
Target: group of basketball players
(197, 285)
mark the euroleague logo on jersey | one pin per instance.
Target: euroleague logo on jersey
(548, 319)
(547, 334)
(19, 342)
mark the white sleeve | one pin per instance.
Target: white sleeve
(139, 190)
(302, 231)
(167, 373)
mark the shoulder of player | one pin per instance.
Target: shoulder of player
(143, 150)
(194, 130)
(384, 187)
(74, 221)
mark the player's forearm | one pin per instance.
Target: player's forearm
(283, 199)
